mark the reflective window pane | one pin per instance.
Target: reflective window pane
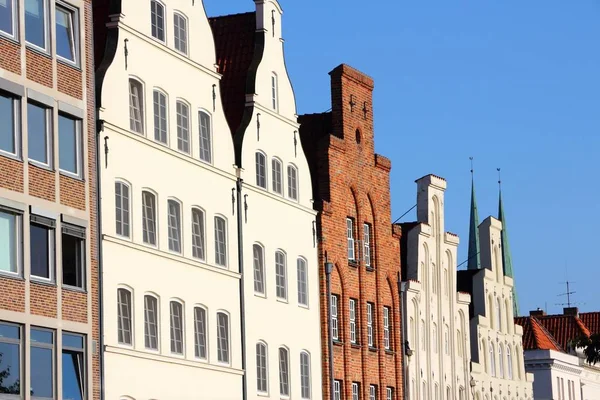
(65, 39)
(67, 144)
(41, 364)
(10, 361)
(8, 242)
(7, 115)
(40, 251)
(37, 128)
(35, 22)
(7, 16)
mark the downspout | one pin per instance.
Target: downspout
(404, 336)
(240, 227)
(328, 269)
(98, 124)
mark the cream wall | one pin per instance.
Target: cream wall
(553, 369)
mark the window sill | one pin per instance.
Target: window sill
(355, 346)
(11, 156)
(305, 306)
(390, 352)
(8, 37)
(370, 269)
(41, 165)
(38, 50)
(338, 343)
(74, 289)
(352, 263)
(261, 295)
(71, 175)
(42, 282)
(262, 394)
(10, 275)
(373, 349)
(285, 301)
(67, 63)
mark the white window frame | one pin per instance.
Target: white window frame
(261, 180)
(218, 243)
(199, 234)
(367, 244)
(123, 319)
(305, 378)
(492, 356)
(136, 111)
(175, 230)
(205, 155)
(284, 372)
(46, 21)
(173, 328)
(176, 29)
(119, 208)
(149, 218)
(164, 25)
(79, 235)
(16, 111)
(386, 328)
(223, 340)
(389, 393)
(183, 128)
(74, 15)
(15, 21)
(352, 311)
(355, 391)
(337, 390)
(302, 273)
(50, 226)
(161, 121)
(78, 147)
(262, 368)
(350, 239)
(18, 241)
(277, 176)
(372, 392)
(258, 264)
(275, 91)
(148, 322)
(292, 172)
(281, 289)
(370, 330)
(201, 333)
(48, 116)
(334, 317)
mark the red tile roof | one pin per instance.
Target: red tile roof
(591, 320)
(535, 336)
(564, 328)
(234, 43)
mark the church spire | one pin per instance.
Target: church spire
(506, 256)
(474, 261)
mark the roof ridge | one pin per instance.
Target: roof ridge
(232, 15)
(582, 326)
(546, 333)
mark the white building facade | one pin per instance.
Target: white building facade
(171, 279)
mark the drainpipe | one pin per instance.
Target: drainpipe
(328, 269)
(404, 335)
(98, 127)
(240, 227)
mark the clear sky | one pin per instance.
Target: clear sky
(514, 84)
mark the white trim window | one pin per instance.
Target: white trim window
(261, 368)
(157, 20)
(151, 322)
(220, 242)
(73, 256)
(174, 226)
(370, 325)
(261, 169)
(74, 356)
(302, 282)
(200, 333)
(42, 350)
(500, 362)
(284, 372)
(205, 136)
(334, 317)
(10, 242)
(276, 176)
(337, 390)
(292, 182)
(198, 234)
(124, 317)
(136, 106)
(492, 359)
(350, 238)
(176, 327)
(280, 275)
(372, 392)
(122, 208)
(180, 33)
(69, 145)
(183, 127)
(259, 268)
(160, 116)
(223, 337)
(386, 328)
(274, 91)
(355, 391)
(389, 393)
(67, 28)
(36, 24)
(367, 244)
(10, 137)
(149, 217)
(42, 237)
(8, 18)
(352, 309)
(39, 134)
(305, 375)
(509, 363)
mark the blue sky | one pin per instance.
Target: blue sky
(515, 84)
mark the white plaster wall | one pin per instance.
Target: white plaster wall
(590, 381)
(547, 366)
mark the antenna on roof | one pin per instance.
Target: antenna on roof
(568, 293)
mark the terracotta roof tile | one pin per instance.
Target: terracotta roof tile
(591, 321)
(535, 336)
(564, 328)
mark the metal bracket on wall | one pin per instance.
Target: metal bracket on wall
(365, 109)
(352, 103)
(126, 53)
(246, 208)
(295, 144)
(258, 127)
(105, 151)
(214, 97)
(273, 21)
(233, 201)
(314, 230)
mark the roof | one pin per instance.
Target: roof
(591, 320)
(535, 336)
(474, 258)
(234, 44)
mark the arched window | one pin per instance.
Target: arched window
(220, 241)
(125, 317)
(461, 393)
(302, 282)
(136, 106)
(509, 362)
(459, 343)
(149, 217)
(180, 32)
(261, 367)
(151, 322)
(183, 126)
(259, 268)
(281, 275)
(498, 314)
(424, 392)
(492, 360)
(198, 234)
(274, 91)
(160, 116)
(436, 392)
(500, 362)
(223, 337)
(284, 372)
(205, 136)
(174, 222)
(486, 358)
(292, 182)
(157, 20)
(305, 387)
(200, 322)
(448, 393)
(261, 169)
(276, 176)
(176, 327)
(122, 207)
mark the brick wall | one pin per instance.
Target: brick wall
(74, 306)
(352, 181)
(42, 300)
(42, 183)
(11, 174)
(72, 192)
(10, 56)
(69, 80)
(39, 67)
(12, 295)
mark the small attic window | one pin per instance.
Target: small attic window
(274, 91)
(358, 136)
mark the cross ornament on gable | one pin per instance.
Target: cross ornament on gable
(365, 109)
(352, 103)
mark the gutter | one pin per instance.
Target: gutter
(240, 235)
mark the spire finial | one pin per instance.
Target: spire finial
(471, 158)
(499, 179)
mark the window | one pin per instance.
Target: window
(149, 217)
(304, 375)
(223, 337)
(509, 362)
(370, 325)
(122, 208)
(73, 256)
(157, 11)
(259, 269)
(180, 28)
(355, 391)
(10, 362)
(136, 106)
(337, 390)
(10, 242)
(389, 393)
(492, 360)
(67, 43)
(500, 362)
(367, 244)
(261, 368)
(35, 23)
(150, 322)
(334, 317)
(205, 136)
(302, 282)
(274, 92)
(69, 143)
(292, 182)
(8, 16)
(198, 233)
(220, 242)
(261, 170)
(386, 328)
(73, 366)
(350, 237)
(280, 275)
(42, 363)
(200, 332)
(160, 117)
(353, 330)
(372, 392)
(176, 328)
(124, 316)
(41, 235)
(9, 115)
(276, 176)
(174, 226)
(39, 134)
(284, 372)
(183, 127)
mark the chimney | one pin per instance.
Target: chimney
(571, 311)
(537, 313)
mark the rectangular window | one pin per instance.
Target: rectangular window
(350, 238)
(386, 328)
(205, 136)
(8, 16)
(9, 115)
(174, 226)
(292, 182)
(370, 330)
(180, 28)
(176, 328)
(352, 307)
(334, 317)
(67, 43)
(42, 363)
(367, 244)
(355, 391)
(183, 127)
(220, 242)
(73, 366)
(35, 23)
(389, 393)
(136, 106)
(157, 19)
(122, 209)
(276, 176)
(200, 332)
(302, 282)
(160, 117)
(41, 235)
(124, 316)
(151, 322)
(69, 145)
(10, 242)
(372, 392)
(10, 362)
(149, 218)
(280, 275)
(38, 133)
(198, 234)
(274, 91)
(73, 256)
(337, 390)
(222, 337)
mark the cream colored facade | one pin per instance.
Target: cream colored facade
(172, 270)
(436, 316)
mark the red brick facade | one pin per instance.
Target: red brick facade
(351, 181)
(11, 56)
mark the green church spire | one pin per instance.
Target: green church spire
(474, 261)
(506, 256)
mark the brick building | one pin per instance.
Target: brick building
(351, 191)
(48, 259)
